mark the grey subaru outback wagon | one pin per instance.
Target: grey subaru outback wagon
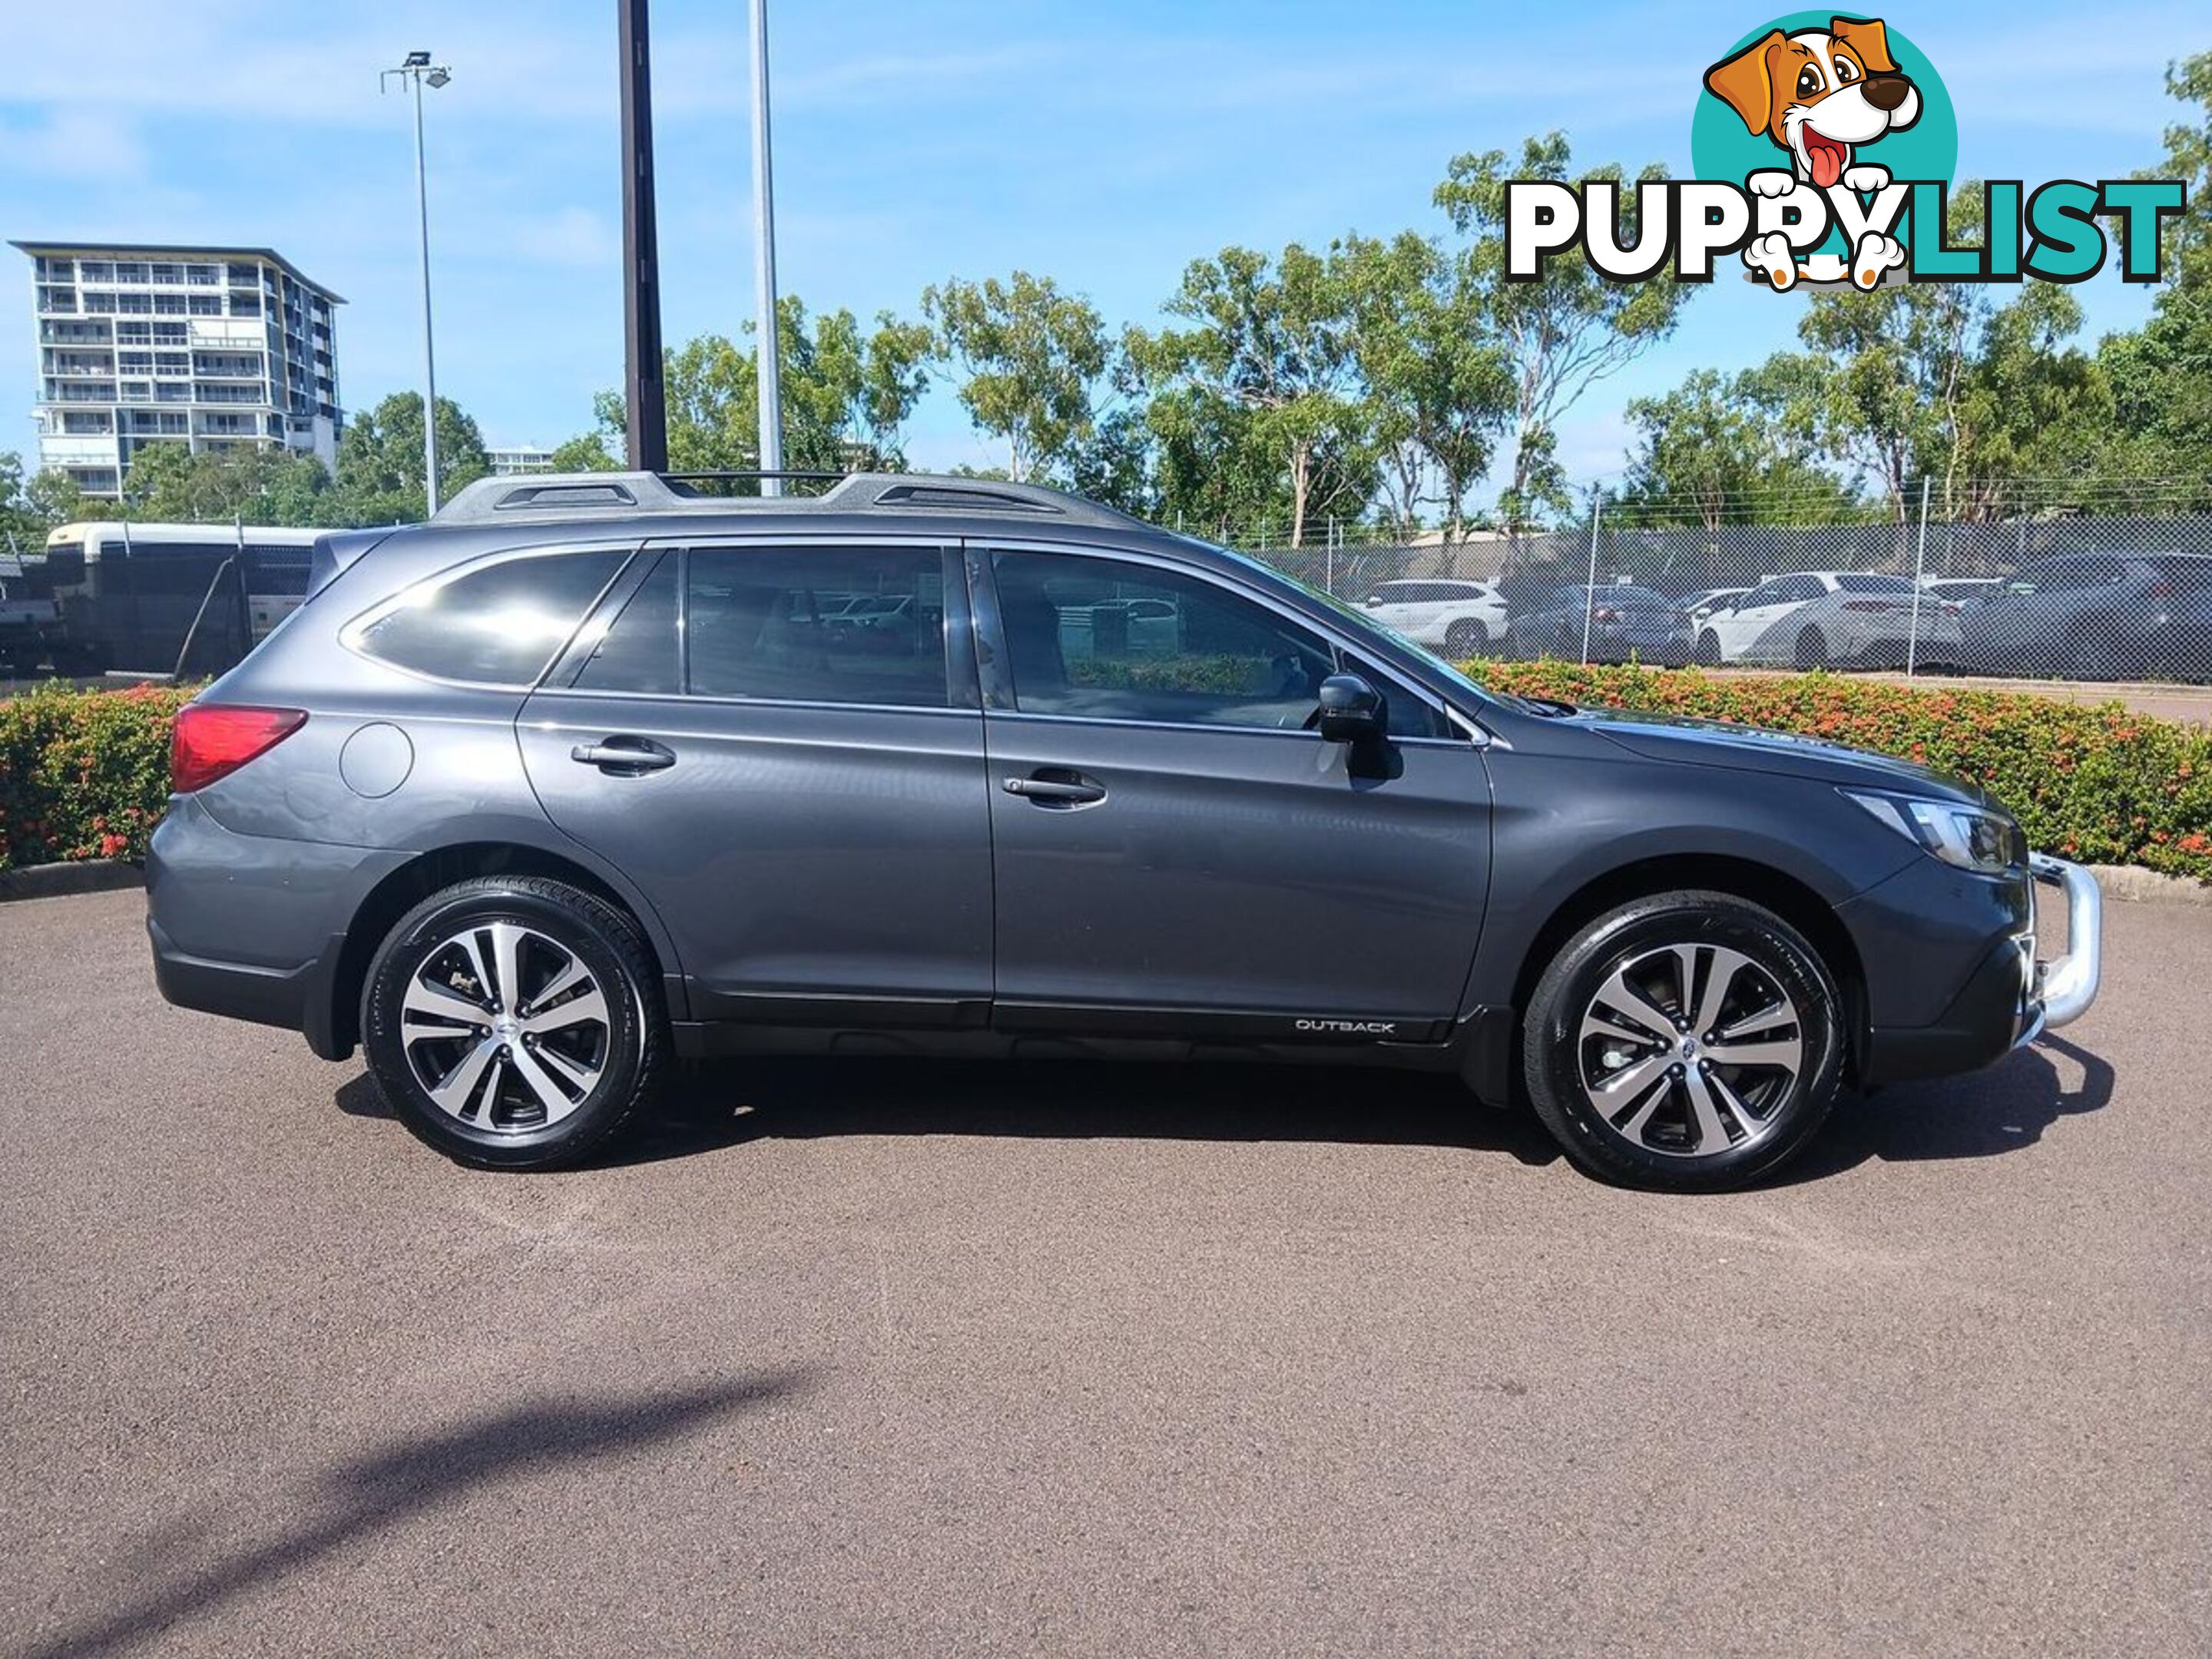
(592, 772)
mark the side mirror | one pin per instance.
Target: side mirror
(1374, 600)
(1351, 711)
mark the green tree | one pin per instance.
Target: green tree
(2161, 376)
(29, 507)
(586, 452)
(1213, 468)
(248, 484)
(52, 497)
(1439, 384)
(1274, 337)
(1562, 334)
(1713, 452)
(847, 395)
(1937, 381)
(380, 472)
(1029, 358)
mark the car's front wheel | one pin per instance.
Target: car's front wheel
(513, 1022)
(1686, 1042)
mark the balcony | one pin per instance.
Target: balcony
(73, 334)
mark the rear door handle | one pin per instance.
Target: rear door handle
(625, 757)
(1056, 787)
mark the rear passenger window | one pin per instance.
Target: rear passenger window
(498, 625)
(640, 651)
(824, 624)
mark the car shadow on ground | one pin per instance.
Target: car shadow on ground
(725, 1102)
(713, 1106)
(174, 1577)
(1984, 1114)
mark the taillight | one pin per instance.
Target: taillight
(213, 740)
(2161, 590)
(1605, 613)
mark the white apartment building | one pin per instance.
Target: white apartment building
(509, 459)
(213, 347)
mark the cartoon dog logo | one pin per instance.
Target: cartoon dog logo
(1819, 95)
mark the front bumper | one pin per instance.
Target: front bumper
(2008, 997)
(2061, 989)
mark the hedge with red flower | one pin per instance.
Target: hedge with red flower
(84, 775)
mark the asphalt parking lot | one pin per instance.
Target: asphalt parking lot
(865, 1357)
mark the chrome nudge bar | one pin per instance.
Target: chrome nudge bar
(2067, 985)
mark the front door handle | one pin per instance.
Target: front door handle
(1056, 787)
(625, 757)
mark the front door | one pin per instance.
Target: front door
(1176, 853)
(1749, 633)
(779, 745)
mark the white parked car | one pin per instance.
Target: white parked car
(1965, 591)
(1816, 617)
(1458, 618)
(1702, 605)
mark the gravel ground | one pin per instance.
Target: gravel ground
(863, 1358)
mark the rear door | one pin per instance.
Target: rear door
(1752, 632)
(781, 744)
(1176, 854)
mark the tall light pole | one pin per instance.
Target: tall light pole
(417, 67)
(771, 390)
(644, 396)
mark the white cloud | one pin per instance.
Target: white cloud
(72, 144)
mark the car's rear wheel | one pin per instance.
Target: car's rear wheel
(1709, 648)
(513, 1022)
(1688, 1041)
(1812, 650)
(1466, 638)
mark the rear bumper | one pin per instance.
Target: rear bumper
(299, 998)
(253, 927)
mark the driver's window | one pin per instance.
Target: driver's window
(1108, 639)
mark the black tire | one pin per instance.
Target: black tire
(1466, 638)
(1812, 650)
(1559, 1062)
(626, 1050)
(1709, 649)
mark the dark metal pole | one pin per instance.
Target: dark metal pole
(646, 398)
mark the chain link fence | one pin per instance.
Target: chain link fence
(2108, 597)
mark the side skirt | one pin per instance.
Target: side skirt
(1478, 1047)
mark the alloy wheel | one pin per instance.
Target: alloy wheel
(504, 1028)
(1690, 1050)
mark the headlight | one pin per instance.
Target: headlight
(1972, 839)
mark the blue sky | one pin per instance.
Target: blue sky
(1106, 144)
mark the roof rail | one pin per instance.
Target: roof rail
(625, 494)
